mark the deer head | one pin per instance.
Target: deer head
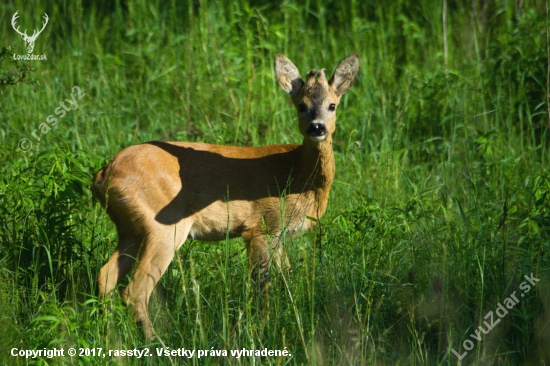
(316, 98)
(29, 40)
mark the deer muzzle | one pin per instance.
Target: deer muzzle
(317, 130)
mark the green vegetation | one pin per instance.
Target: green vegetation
(440, 207)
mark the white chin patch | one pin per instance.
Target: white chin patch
(318, 138)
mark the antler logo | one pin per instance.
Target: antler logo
(29, 40)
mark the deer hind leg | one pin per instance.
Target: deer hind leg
(119, 264)
(155, 257)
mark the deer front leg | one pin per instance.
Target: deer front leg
(262, 252)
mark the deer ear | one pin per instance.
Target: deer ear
(345, 74)
(287, 75)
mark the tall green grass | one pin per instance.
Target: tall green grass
(439, 208)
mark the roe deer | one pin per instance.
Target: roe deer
(159, 193)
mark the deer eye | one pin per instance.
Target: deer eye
(331, 107)
(302, 108)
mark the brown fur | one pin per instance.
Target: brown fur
(159, 193)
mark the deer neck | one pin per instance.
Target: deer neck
(317, 164)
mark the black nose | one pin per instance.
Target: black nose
(316, 129)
